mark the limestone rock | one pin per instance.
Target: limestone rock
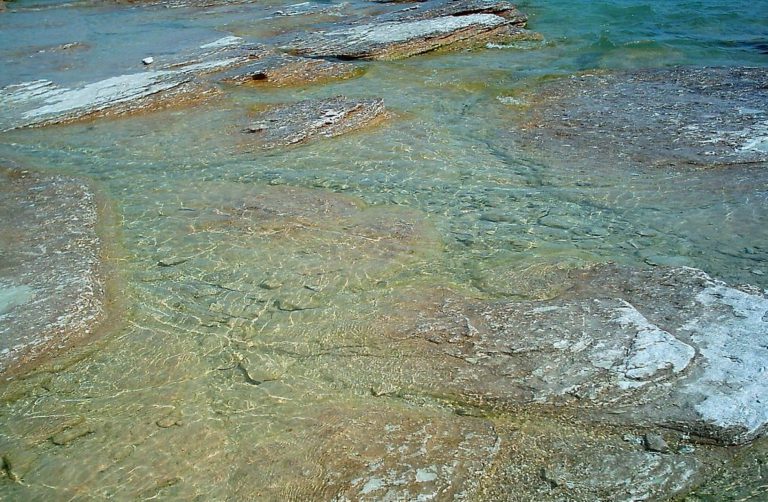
(51, 285)
(311, 119)
(43, 102)
(283, 70)
(701, 116)
(424, 28)
(666, 346)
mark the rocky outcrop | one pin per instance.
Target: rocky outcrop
(51, 284)
(281, 70)
(422, 28)
(700, 116)
(672, 347)
(311, 119)
(166, 82)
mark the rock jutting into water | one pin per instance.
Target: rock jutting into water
(51, 285)
(311, 119)
(699, 116)
(669, 347)
(416, 30)
(180, 80)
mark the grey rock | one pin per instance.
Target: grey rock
(311, 119)
(655, 442)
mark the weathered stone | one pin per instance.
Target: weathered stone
(51, 285)
(701, 116)
(417, 30)
(311, 119)
(666, 346)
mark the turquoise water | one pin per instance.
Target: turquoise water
(443, 195)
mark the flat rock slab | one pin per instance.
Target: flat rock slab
(311, 119)
(43, 102)
(423, 28)
(281, 70)
(51, 288)
(700, 116)
(165, 82)
(375, 453)
(672, 347)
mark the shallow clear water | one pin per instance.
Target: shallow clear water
(440, 196)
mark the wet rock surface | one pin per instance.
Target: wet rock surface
(167, 81)
(672, 347)
(699, 116)
(312, 119)
(422, 28)
(51, 284)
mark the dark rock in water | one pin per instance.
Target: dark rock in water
(424, 28)
(667, 346)
(51, 287)
(284, 70)
(307, 120)
(700, 116)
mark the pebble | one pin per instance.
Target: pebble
(655, 442)
(148, 60)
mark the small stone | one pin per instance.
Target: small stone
(655, 442)
(148, 60)
(67, 436)
(270, 284)
(167, 422)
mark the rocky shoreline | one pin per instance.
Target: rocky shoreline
(607, 382)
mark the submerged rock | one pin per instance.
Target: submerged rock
(700, 116)
(376, 453)
(307, 120)
(51, 287)
(417, 30)
(667, 346)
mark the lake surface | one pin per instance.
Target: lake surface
(443, 195)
